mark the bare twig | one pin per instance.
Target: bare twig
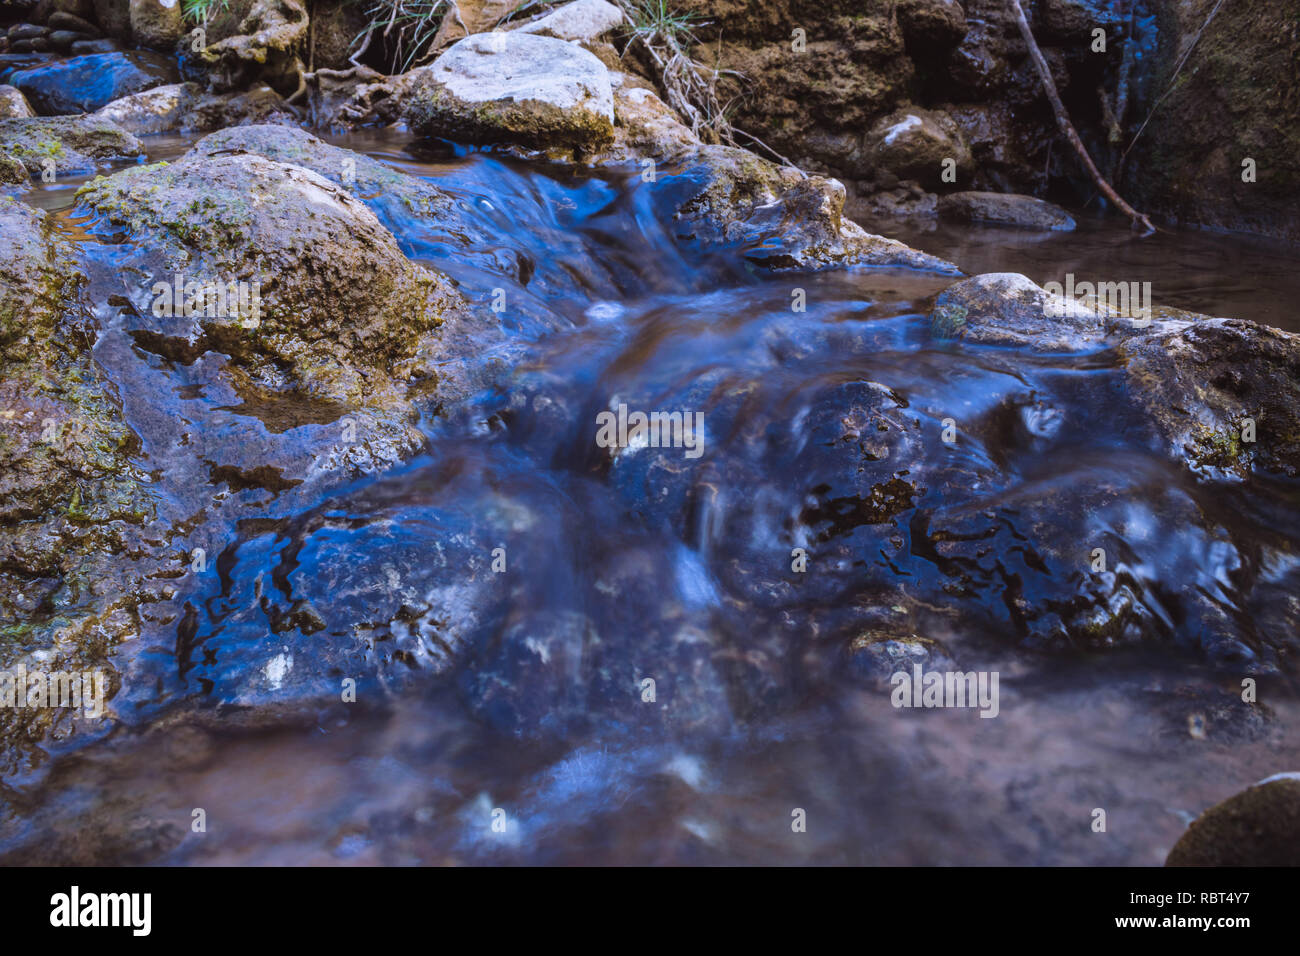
(758, 142)
(1174, 79)
(370, 35)
(1067, 128)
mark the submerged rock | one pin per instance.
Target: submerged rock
(83, 84)
(516, 89)
(916, 144)
(73, 144)
(1258, 827)
(1007, 209)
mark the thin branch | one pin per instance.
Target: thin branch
(1067, 128)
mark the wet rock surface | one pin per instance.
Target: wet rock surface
(1003, 209)
(783, 218)
(70, 496)
(1224, 393)
(185, 107)
(82, 84)
(72, 144)
(340, 312)
(362, 514)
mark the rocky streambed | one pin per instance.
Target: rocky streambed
(301, 448)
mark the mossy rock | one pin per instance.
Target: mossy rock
(366, 179)
(74, 144)
(71, 500)
(1213, 385)
(12, 171)
(342, 311)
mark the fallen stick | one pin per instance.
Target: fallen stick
(1067, 128)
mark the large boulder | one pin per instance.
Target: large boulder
(66, 144)
(340, 315)
(1224, 394)
(516, 89)
(471, 351)
(1258, 827)
(1005, 209)
(916, 144)
(157, 23)
(13, 105)
(82, 84)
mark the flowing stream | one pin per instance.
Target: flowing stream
(524, 689)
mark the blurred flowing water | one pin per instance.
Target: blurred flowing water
(524, 690)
